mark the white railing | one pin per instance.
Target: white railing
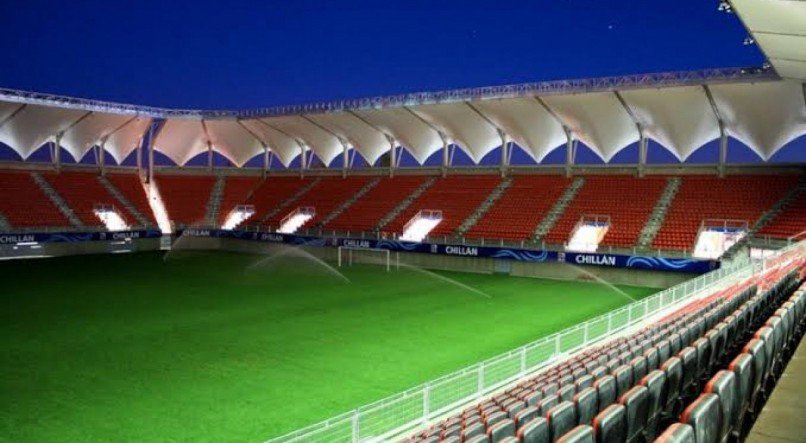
(416, 407)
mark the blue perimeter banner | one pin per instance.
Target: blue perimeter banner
(72, 237)
(690, 265)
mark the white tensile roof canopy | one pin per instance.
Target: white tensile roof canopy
(765, 114)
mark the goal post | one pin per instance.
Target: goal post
(347, 255)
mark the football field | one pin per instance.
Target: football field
(232, 347)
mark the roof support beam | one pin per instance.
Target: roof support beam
(723, 132)
(266, 157)
(209, 146)
(345, 164)
(12, 115)
(642, 141)
(296, 140)
(446, 160)
(57, 154)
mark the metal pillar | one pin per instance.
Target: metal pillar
(139, 153)
(392, 155)
(446, 161)
(57, 152)
(302, 160)
(642, 151)
(570, 151)
(266, 160)
(100, 156)
(504, 152)
(723, 148)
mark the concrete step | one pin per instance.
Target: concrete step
(141, 219)
(290, 200)
(658, 215)
(5, 226)
(57, 200)
(214, 203)
(558, 209)
(485, 206)
(404, 204)
(347, 203)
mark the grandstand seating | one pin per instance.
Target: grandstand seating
(456, 196)
(25, 205)
(132, 190)
(324, 197)
(236, 191)
(790, 221)
(629, 388)
(519, 210)
(82, 191)
(627, 200)
(741, 197)
(186, 197)
(272, 192)
(366, 212)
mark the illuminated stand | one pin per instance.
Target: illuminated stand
(717, 236)
(110, 217)
(296, 219)
(237, 216)
(421, 224)
(588, 233)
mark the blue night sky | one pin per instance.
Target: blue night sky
(245, 54)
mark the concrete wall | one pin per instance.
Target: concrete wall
(79, 248)
(554, 270)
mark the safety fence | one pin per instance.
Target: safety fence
(403, 412)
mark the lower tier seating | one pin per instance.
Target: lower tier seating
(82, 191)
(456, 196)
(132, 190)
(186, 197)
(790, 221)
(629, 389)
(324, 197)
(366, 212)
(25, 205)
(236, 190)
(742, 198)
(271, 193)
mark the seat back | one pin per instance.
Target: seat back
(535, 431)
(525, 416)
(703, 347)
(723, 384)
(606, 391)
(472, 430)
(639, 367)
(610, 425)
(636, 403)
(562, 418)
(580, 434)
(623, 376)
(688, 357)
(755, 348)
(655, 384)
(500, 430)
(705, 416)
(673, 368)
(586, 381)
(547, 403)
(587, 405)
(567, 392)
(677, 433)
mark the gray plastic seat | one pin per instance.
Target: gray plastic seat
(566, 393)
(562, 418)
(586, 381)
(606, 391)
(533, 398)
(673, 368)
(535, 431)
(639, 367)
(677, 433)
(705, 416)
(473, 430)
(525, 416)
(755, 348)
(623, 376)
(653, 361)
(580, 434)
(655, 384)
(703, 347)
(587, 405)
(495, 417)
(512, 408)
(610, 425)
(547, 403)
(500, 430)
(636, 403)
(723, 384)
(688, 358)
(478, 439)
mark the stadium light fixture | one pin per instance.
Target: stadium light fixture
(725, 7)
(748, 41)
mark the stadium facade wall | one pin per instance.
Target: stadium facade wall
(77, 243)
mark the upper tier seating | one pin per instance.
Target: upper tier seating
(25, 205)
(324, 197)
(741, 198)
(236, 191)
(627, 200)
(790, 221)
(82, 191)
(186, 197)
(132, 190)
(366, 212)
(271, 193)
(521, 208)
(456, 196)
(630, 387)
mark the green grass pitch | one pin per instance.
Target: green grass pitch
(132, 348)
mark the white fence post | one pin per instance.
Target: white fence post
(356, 430)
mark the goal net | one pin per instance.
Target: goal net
(349, 255)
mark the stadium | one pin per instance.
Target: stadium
(610, 259)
